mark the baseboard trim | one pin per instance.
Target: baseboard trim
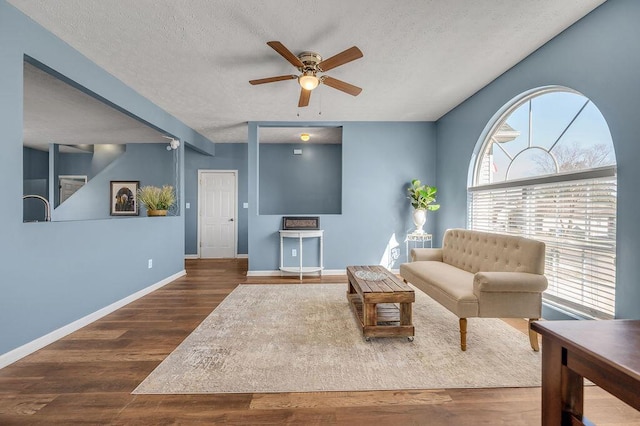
(39, 343)
(288, 274)
(324, 272)
(195, 256)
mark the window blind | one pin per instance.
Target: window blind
(575, 215)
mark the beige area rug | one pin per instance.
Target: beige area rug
(304, 338)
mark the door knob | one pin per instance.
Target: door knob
(231, 220)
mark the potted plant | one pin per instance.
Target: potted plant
(422, 199)
(157, 200)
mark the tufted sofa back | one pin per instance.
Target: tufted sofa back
(475, 251)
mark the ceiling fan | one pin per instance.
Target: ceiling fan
(310, 64)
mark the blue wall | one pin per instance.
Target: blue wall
(600, 57)
(90, 163)
(35, 166)
(55, 273)
(150, 164)
(228, 156)
(35, 163)
(300, 184)
(378, 162)
(75, 163)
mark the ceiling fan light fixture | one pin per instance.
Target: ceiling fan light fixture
(304, 137)
(308, 81)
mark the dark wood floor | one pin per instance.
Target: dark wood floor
(87, 377)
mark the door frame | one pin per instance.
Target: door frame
(235, 208)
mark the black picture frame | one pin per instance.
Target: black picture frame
(300, 222)
(123, 200)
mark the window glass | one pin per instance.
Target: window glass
(545, 134)
(547, 171)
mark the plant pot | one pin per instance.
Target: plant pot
(419, 219)
(156, 212)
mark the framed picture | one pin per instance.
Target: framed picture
(124, 198)
(297, 222)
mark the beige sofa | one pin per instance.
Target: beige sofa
(480, 274)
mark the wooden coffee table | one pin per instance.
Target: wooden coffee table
(381, 302)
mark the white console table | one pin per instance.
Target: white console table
(301, 234)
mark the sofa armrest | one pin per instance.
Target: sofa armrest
(508, 282)
(433, 254)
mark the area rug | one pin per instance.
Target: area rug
(305, 338)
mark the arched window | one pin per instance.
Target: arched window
(547, 170)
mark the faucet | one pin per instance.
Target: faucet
(47, 206)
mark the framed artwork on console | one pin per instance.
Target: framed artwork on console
(298, 222)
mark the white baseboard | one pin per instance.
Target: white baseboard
(39, 343)
(195, 256)
(280, 273)
(324, 272)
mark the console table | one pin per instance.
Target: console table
(301, 235)
(605, 352)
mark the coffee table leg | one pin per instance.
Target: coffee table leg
(406, 314)
(370, 314)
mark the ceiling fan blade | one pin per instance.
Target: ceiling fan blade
(341, 85)
(286, 53)
(304, 98)
(351, 54)
(273, 79)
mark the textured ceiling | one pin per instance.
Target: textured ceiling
(55, 112)
(194, 58)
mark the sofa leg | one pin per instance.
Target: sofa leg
(533, 336)
(463, 334)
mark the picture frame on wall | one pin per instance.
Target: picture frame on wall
(124, 198)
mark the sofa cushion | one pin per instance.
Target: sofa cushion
(450, 286)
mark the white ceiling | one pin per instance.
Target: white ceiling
(55, 112)
(194, 58)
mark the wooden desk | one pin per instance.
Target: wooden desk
(605, 352)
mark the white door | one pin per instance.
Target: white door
(217, 200)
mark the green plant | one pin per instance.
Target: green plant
(422, 196)
(155, 198)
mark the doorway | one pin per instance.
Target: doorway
(217, 213)
(68, 185)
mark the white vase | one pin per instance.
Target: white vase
(419, 219)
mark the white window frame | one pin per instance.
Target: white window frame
(585, 288)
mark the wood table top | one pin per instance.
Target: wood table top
(613, 342)
(389, 284)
